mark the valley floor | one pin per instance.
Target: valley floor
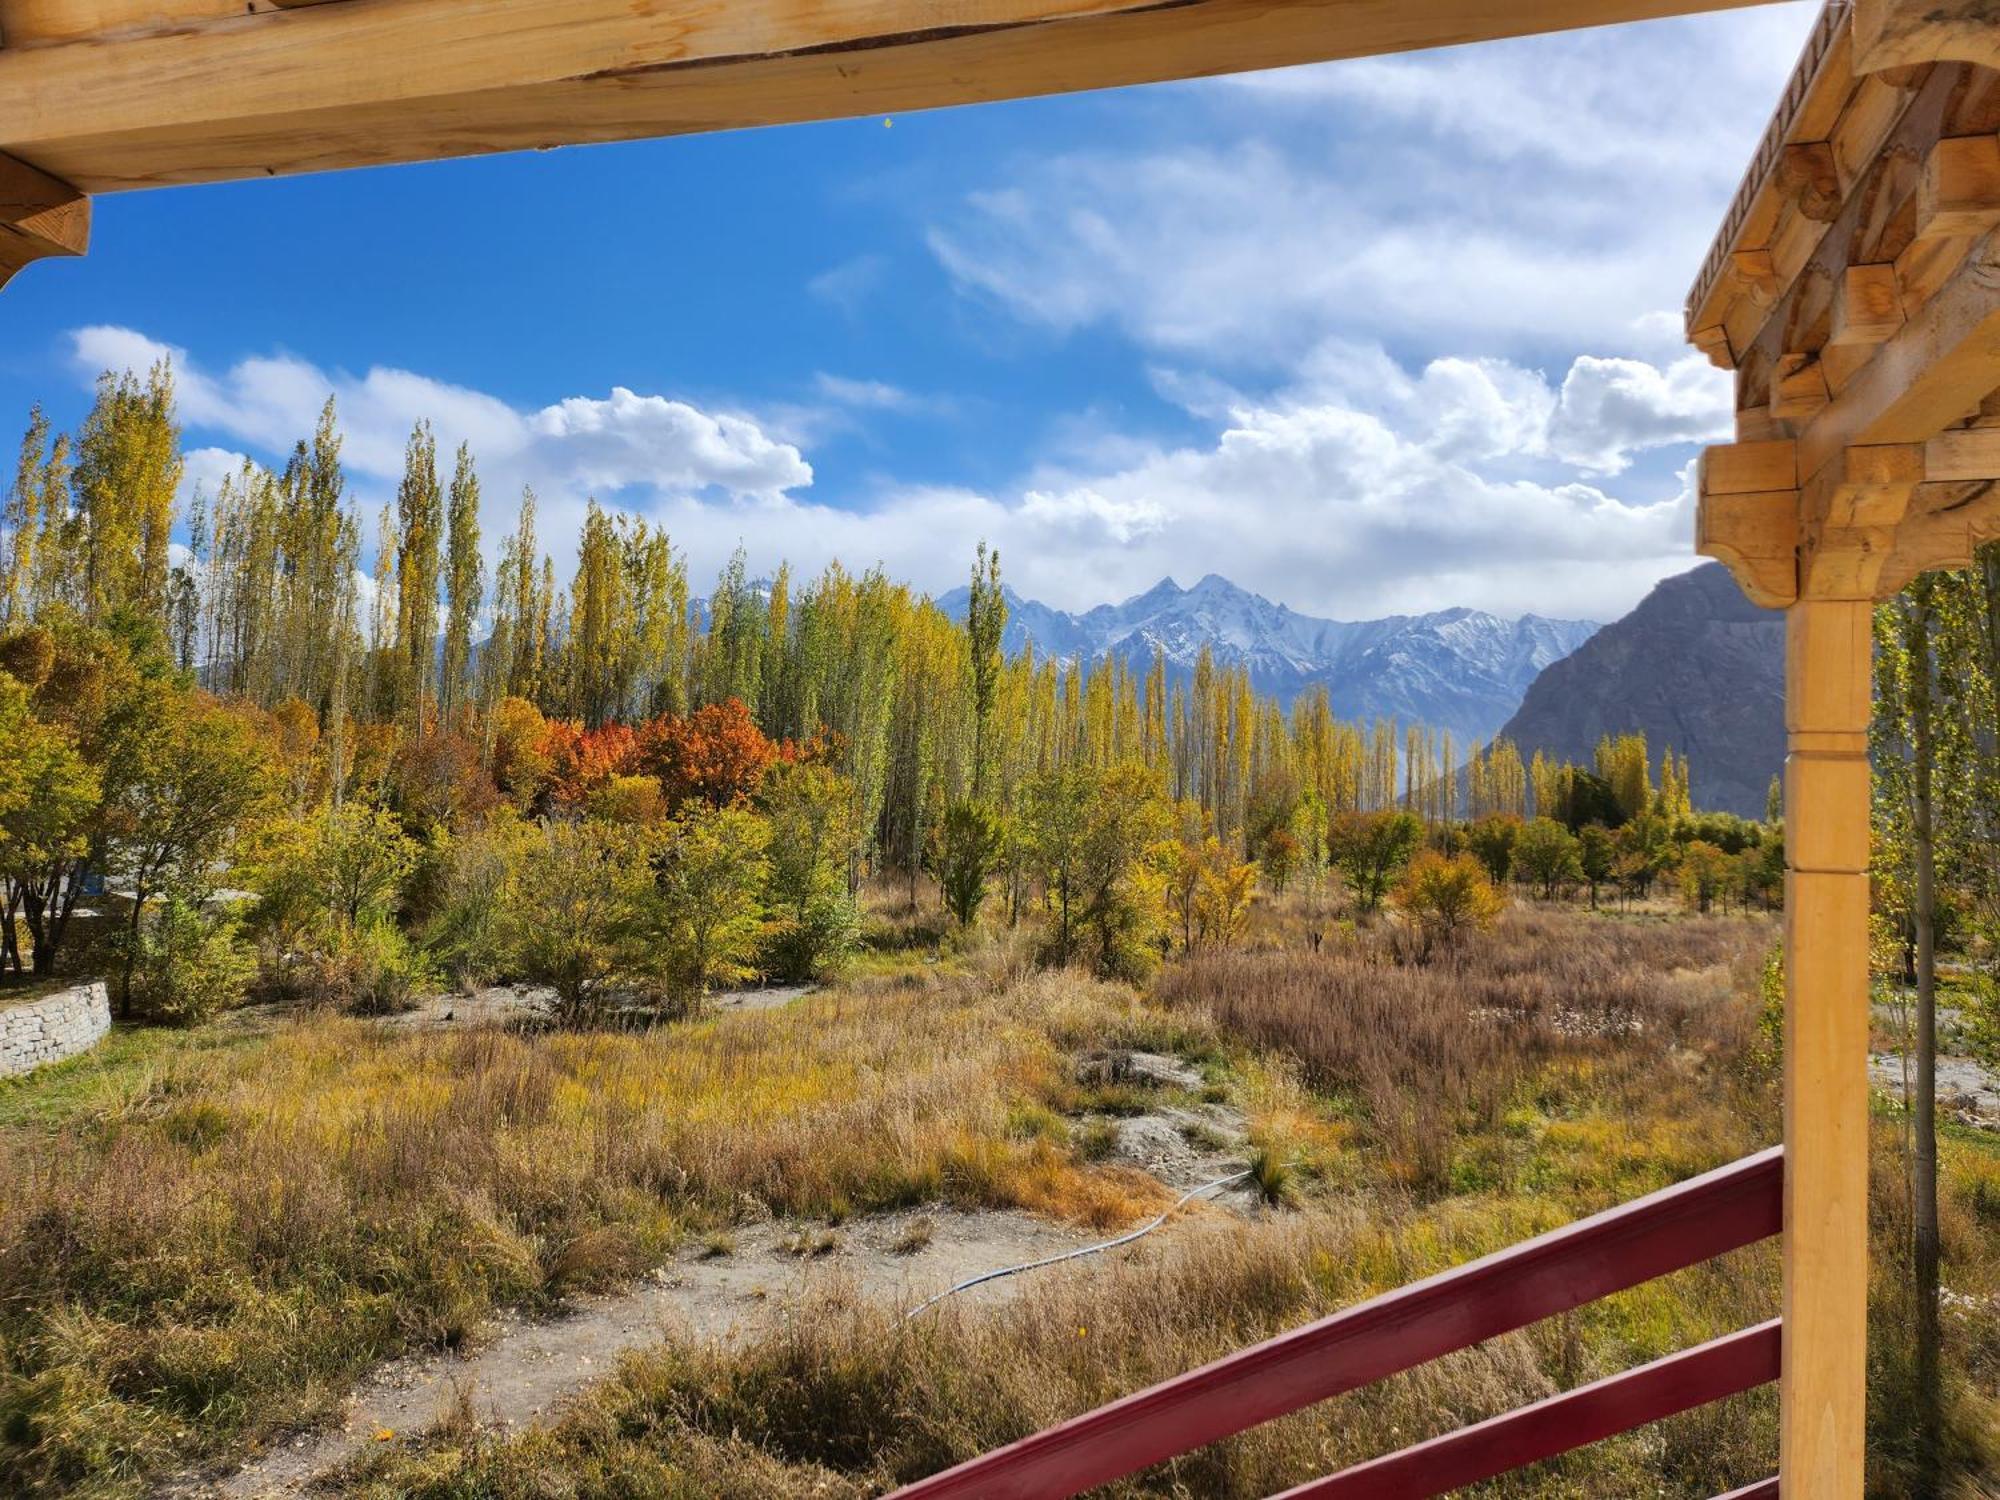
(452, 1256)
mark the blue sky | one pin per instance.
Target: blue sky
(1383, 335)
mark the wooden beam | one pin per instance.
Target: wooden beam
(1897, 33)
(39, 217)
(1932, 373)
(1867, 306)
(1959, 193)
(1829, 648)
(373, 81)
(1949, 525)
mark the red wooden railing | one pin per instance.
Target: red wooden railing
(1681, 1226)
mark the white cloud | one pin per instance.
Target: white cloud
(1555, 191)
(1612, 407)
(1358, 489)
(623, 446)
(850, 284)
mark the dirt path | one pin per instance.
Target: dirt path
(500, 1003)
(523, 1369)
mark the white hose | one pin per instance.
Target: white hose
(1123, 1239)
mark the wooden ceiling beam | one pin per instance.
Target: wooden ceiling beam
(371, 81)
(37, 23)
(1897, 33)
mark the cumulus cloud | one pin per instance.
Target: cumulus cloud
(1358, 488)
(616, 447)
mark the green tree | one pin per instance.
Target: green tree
(191, 780)
(985, 624)
(1054, 816)
(1491, 840)
(814, 922)
(1704, 875)
(1596, 857)
(967, 846)
(420, 536)
(1547, 857)
(1370, 851)
(1125, 816)
(708, 918)
(355, 860)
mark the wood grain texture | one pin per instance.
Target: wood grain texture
(1829, 650)
(371, 81)
(39, 217)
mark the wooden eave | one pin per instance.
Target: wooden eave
(115, 94)
(1854, 289)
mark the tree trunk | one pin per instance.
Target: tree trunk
(1923, 1187)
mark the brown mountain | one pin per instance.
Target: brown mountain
(1697, 667)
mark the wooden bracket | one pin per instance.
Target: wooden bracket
(1747, 517)
(1849, 513)
(1959, 192)
(1808, 172)
(39, 216)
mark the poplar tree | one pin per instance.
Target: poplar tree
(420, 518)
(985, 623)
(128, 471)
(464, 583)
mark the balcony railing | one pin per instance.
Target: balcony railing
(1670, 1230)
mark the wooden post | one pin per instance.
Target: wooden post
(1828, 683)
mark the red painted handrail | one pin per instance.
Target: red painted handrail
(1588, 1414)
(1680, 1226)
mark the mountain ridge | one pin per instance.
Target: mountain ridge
(1695, 666)
(1459, 669)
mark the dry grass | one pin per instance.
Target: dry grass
(1553, 1017)
(226, 1247)
(847, 1400)
(222, 1241)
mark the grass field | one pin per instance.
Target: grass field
(208, 1235)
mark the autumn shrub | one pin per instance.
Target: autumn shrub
(577, 920)
(189, 965)
(1447, 899)
(476, 887)
(371, 968)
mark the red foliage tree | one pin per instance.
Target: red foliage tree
(581, 761)
(716, 755)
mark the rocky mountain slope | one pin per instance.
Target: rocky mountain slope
(1695, 666)
(1457, 669)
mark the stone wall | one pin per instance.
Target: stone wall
(52, 1027)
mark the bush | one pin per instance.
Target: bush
(189, 965)
(476, 885)
(811, 944)
(371, 969)
(579, 921)
(1447, 898)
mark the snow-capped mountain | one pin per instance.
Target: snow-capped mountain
(1457, 669)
